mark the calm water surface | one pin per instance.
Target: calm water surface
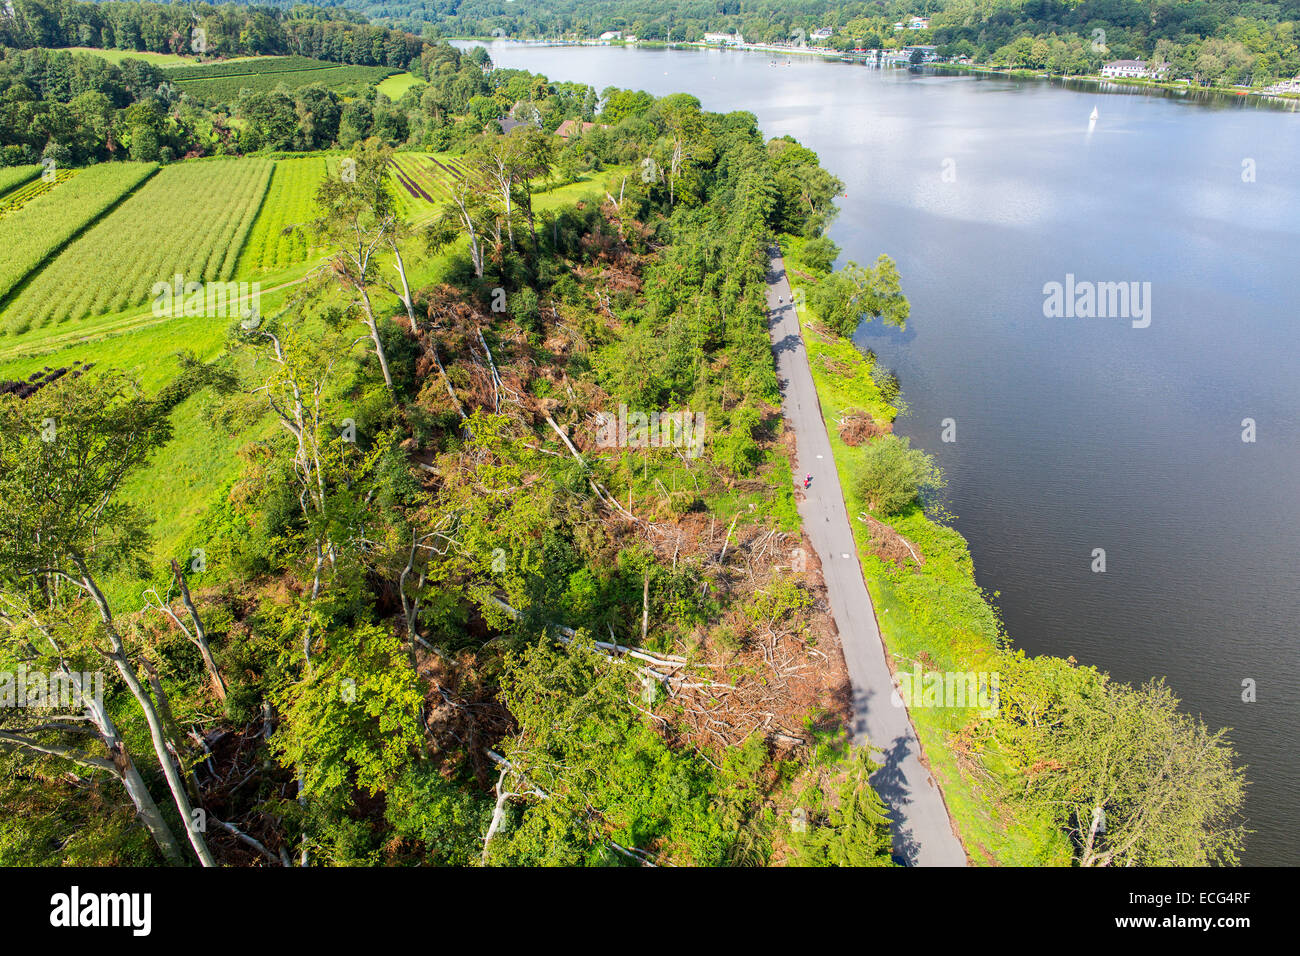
(1076, 434)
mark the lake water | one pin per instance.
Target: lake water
(1078, 433)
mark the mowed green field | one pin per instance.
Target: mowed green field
(282, 236)
(190, 219)
(43, 224)
(224, 80)
(396, 85)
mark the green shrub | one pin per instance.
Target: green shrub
(819, 254)
(893, 474)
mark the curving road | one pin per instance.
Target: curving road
(923, 834)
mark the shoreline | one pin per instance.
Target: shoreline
(915, 627)
(1288, 102)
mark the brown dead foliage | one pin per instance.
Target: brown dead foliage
(888, 545)
(237, 784)
(749, 676)
(858, 427)
(463, 713)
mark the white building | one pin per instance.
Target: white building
(916, 23)
(612, 35)
(1131, 69)
(724, 39)
(1284, 86)
(825, 33)
(903, 57)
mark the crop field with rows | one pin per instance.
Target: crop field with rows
(247, 66)
(288, 205)
(421, 182)
(17, 198)
(191, 218)
(225, 80)
(11, 176)
(38, 228)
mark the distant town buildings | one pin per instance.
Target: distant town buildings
(825, 33)
(1291, 86)
(903, 57)
(1130, 69)
(915, 23)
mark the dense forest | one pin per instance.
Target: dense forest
(218, 31)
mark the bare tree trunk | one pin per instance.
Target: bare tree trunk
(406, 286)
(200, 635)
(146, 703)
(1089, 857)
(601, 492)
(120, 764)
(455, 399)
(528, 210)
(373, 325)
(645, 606)
(467, 220)
(510, 226)
(315, 593)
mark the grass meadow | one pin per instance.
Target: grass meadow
(395, 86)
(11, 177)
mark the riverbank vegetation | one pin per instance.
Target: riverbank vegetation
(1213, 43)
(1063, 764)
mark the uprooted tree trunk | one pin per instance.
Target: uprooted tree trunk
(664, 668)
(504, 796)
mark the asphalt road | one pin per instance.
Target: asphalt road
(923, 834)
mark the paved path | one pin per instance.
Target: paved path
(922, 833)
